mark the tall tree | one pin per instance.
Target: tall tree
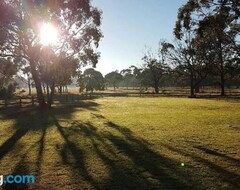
(216, 23)
(127, 77)
(191, 60)
(66, 70)
(157, 64)
(130, 77)
(92, 79)
(21, 23)
(145, 78)
(114, 78)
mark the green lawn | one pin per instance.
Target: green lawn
(125, 143)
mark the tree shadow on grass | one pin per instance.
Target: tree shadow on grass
(224, 176)
(218, 154)
(120, 159)
(33, 121)
(29, 120)
(129, 161)
(20, 169)
(10, 143)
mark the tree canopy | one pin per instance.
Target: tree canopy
(114, 78)
(92, 79)
(77, 23)
(214, 25)
(157, 64)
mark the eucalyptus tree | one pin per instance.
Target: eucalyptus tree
(131, 76)
(216, 27)
(113, 78)
(92, 79)
(157, 64)
(191, 60)
(48, 32)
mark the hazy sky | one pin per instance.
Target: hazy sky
(129, 26)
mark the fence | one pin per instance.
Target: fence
(31, 101)
(18, 102)
(74, 98)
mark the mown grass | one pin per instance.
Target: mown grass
(125, 143)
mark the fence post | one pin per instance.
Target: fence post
(20, 102)
(32, 101)
(6, 102)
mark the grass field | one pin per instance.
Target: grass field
(125, 143)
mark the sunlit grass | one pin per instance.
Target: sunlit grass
(126, 143)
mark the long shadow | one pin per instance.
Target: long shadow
(232, 179)
(130, 161)
(86, 103)
(21, 168)
(165, 171)
(27, 120)
(215, 153)
(41, 144)
(8, 145)
(78, 164)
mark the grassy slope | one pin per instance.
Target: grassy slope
(125, 143)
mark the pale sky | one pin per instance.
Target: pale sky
(129, 26)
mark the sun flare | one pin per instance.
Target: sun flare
(48, 34)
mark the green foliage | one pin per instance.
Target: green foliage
(8, 91)
(91, 80)
(7, 70)
(213, 37)
(114, 78)
(130, 77)
(156, 65)
(78, 24)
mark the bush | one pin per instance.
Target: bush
(8, 92)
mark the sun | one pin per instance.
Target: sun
(48, 34)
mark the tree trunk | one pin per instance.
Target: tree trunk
(192, 94)
(222, 72)
(29, 87)
(222, 82)
(156, 88)
(50, 97)
(40, 96)
(222, 86)
(60, 89)
(197, 88)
